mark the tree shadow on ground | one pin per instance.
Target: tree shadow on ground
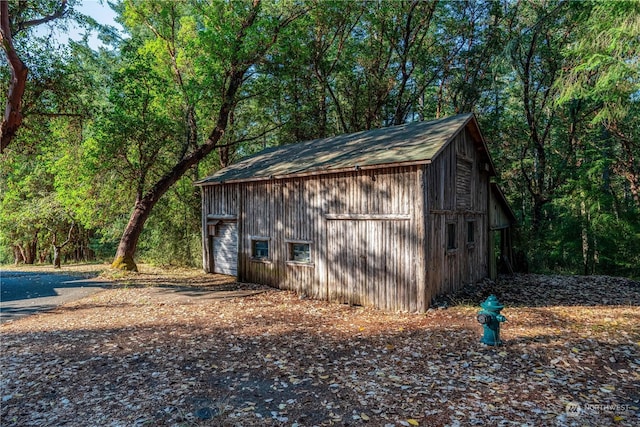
(29, 285)
(225, 375)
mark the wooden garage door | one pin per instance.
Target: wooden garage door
(225, 248)
(365, 262)
(370, 260)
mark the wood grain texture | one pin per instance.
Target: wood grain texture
(377, 236)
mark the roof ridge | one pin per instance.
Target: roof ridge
(407, 143)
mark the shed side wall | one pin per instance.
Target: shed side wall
(365, 228)
(498, 217)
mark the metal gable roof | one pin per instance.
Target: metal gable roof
(411, 143)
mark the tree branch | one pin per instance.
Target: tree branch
(45, 114)
(12, 119)
(58, 13)
(66, 242)
(251, 138)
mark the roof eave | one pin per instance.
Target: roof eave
(476, 133)
(203, 183)
(502, 198)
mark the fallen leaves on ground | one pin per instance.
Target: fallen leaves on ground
(221, 354)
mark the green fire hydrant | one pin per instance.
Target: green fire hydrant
(490, 318)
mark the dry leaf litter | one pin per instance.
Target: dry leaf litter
(201, 350)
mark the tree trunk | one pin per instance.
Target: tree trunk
(225, 156)
(18, 255)
(56, 257)
(30, 253)
(124, 259)
(12, 118)
(57, 248)
(585, 237)
(43, 255)
(538, 213)
(30, 250)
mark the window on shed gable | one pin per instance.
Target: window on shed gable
(471, 231)
(451, 236)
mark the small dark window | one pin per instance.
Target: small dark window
(451, 236)
(300, 252)
(471, 230)
(259, 249)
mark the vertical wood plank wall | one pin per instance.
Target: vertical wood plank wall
(499, 222)
(372, 255)
(378, 237)
(449, 270)
(217, 200)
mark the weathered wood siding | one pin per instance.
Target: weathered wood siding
(365, 229)
(498, 217)
(500, 222)
(219, 200)
(377, 237)
(456, 192)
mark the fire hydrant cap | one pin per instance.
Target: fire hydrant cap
(492, 304)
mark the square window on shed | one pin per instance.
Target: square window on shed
(300, 252)
(451, 236)
(259, 248)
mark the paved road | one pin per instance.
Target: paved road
(22, 293)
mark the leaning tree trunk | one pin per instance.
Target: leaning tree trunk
(124, 259)
(129, 241)
(12, 118)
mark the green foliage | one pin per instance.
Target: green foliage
(173, 235)
(605, 67)
(555, 86)
(34, 214)
(133, 139)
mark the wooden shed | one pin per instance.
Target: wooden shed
(386, 218)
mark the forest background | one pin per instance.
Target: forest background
(112, 139)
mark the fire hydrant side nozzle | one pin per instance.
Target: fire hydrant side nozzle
(490, 318)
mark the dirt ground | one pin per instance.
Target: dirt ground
(187, 349)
